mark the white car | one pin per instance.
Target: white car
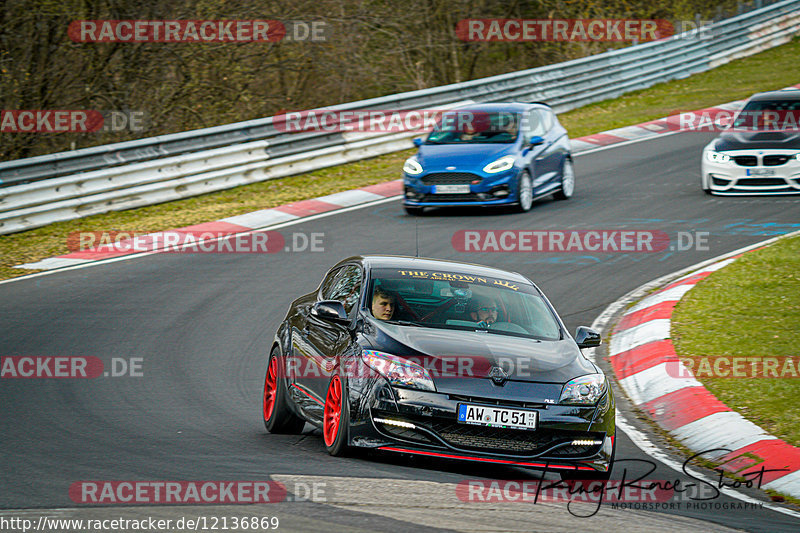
(760, 152)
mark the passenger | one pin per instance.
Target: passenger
(383, 304)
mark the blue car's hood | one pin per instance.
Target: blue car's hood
(465, 157)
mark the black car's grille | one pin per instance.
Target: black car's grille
(495, 439)
(775, 160)
(746, 160)
(450, 178)
(471, 197)
(761, 182)
(489, 439)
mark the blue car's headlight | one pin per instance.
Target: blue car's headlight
(412, 167)
(585, 390)
(504, 163)
(398, 371)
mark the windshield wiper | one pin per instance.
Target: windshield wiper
(408, 323)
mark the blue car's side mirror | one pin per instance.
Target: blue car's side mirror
(418, 142)
(536, 140)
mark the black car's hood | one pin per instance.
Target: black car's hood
(758, 140)
(467, 354)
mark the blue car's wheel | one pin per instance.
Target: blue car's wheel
(524, 191)
(567, 181)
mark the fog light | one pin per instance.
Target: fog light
(586, 442)
(398, 423)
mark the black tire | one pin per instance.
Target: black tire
(524, 192)
(567, 181)
(278, 419)
(413, 211)
(336, 443)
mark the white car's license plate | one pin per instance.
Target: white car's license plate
(760, 172)
(484, 415)
(451, 189)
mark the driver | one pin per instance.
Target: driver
(485, 312)
(383, 303)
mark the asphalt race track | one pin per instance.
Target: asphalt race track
(202, 324)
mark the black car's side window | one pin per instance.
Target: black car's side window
(343, 284)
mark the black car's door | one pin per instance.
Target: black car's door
(324, 341)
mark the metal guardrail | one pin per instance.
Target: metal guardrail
(41, 190)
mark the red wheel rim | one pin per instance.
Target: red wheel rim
(333, 411)
(270, 387)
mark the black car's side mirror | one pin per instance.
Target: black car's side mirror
(587, 337)
(330, 311)
(418, 142)
(536, 140)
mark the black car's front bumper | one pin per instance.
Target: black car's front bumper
(422, 422)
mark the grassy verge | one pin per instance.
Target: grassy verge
(750, 308)
(771, 69)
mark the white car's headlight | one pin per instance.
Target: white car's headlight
(585, 390)
(504, 163)
(717, 157)
(412, 167)
(398, 371)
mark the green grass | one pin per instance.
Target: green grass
(750, 308)
(771, 69)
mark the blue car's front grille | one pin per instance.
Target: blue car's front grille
(450, 178)
(451, 198)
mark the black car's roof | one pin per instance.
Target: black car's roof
(783, 94)
(500, 107)
(425, 263)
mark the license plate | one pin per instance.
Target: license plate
(501, 417)
(760, 172)
(451, 189)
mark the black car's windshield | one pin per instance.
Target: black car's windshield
(475, 127)
(767, 115)
(452, 300)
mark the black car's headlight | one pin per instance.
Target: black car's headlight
(585, 390)
(398, 371)
(412, 167)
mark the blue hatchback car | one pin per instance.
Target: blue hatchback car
(490, 155)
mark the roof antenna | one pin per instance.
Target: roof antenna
(416, 234)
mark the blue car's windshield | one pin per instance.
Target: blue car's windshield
(475, 127)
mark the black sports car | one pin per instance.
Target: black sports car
(440, 358)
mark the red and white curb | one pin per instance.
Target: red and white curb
(256, 220)
(640, 350)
